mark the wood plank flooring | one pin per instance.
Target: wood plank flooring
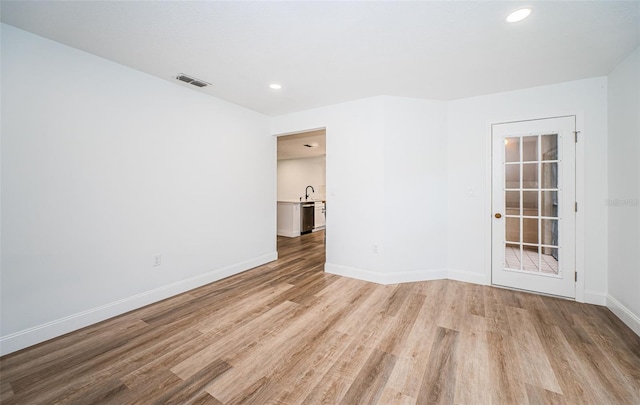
(287, 333)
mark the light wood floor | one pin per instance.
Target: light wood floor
(287, 333)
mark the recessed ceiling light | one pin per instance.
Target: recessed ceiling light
(519, 15)
(275, 86)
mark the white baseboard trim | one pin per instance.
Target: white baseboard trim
(288, 234)
(625, 314)
(353, 272)
(385, 278)
(595, 298)
(40, 333)
(467, 277)
(416, 275)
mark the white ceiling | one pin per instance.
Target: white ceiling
(325, 52)
(294, 146)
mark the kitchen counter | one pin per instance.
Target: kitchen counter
(299, 202)
(289, 218)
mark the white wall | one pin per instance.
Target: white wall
(294, 175)
(432, 162)
(415, 189)
(468, 172)
(624, 191)
(354, 174)
(380, 150)
(104, 167)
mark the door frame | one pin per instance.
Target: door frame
(275, 137)
(580, 181)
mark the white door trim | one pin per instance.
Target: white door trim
(580, 194)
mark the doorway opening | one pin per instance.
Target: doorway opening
(301, 184)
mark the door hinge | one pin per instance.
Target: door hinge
(575, 134)
(576, 276)
(576, 206)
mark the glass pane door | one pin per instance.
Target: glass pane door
(531, 203)
(533, 196)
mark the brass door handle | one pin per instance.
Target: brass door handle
(498, 215)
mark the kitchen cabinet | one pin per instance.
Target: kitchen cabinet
(319, 216)
(288, 219)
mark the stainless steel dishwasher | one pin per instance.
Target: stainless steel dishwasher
(307, 217)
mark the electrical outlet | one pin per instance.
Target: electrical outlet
(375, 248)
(157, 260)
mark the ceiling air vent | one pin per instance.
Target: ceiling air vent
(192, 80)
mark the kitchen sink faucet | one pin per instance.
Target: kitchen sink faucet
(306, 194)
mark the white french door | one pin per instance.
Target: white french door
(533, 224)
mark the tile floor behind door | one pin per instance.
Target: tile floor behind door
(530, 263)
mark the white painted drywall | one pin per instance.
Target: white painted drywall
(415, 189)
(355, 184)
(355, 175)
(469, 168)
(624, 191)
(104, 167)
(455, 162)
(385, 181)
(294, 175)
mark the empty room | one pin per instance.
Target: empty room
(320, 202)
